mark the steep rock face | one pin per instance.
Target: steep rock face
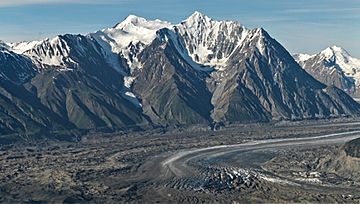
(283, 90)
(142, 73)
(14, 67)
(333, 66)
(282, 87)
(171, 90)
(210, 42)
(89, 93)
(254, 77)
(22, 113)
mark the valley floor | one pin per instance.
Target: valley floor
(279, 162)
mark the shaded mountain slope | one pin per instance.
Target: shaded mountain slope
(144, 73)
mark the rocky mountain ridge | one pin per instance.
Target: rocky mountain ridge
(144, 73)
(333, 66)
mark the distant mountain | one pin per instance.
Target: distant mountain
(333, 66)
(144, 73)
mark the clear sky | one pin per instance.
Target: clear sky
(301, 26)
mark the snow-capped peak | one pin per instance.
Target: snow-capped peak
(135, 21)
(334, 58)
(134, 29)
(336, 48)
(196, 18)
(334, 51)
(339, 56)
(210, 42)
(198, 14)
(24, 46)
(52, 52)
(302, 57)
(130, 36)
(131, 19)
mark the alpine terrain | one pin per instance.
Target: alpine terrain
(147, 111)
(333, 66)
(146, 73)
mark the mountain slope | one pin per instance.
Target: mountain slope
(14, 67)
(89, 93)
(172, 91)
(20, 111)
(142, 73)
(128, 38)
(333, 66)
(254, 77)
(23, 113)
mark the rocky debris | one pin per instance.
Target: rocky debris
(111, 168)
(213, 180)
(352, 148)
(324, 166)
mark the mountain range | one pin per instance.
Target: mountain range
(333, 66)
(149, 73)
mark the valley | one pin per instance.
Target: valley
(200, 111)
(272, 162)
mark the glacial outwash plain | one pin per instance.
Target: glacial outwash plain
(202, 111)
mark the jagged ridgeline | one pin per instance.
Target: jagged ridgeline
(144, 73)
(334, 66)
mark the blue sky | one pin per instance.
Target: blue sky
(301, 26)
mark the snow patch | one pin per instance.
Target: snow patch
(211, 42)
(131, 97)
(339, 59)
(65, 69)
(180, 47)
(128, 81)
(128, 94)
(51, 52)
(129, 37)
(302, 57)
(24, 46)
